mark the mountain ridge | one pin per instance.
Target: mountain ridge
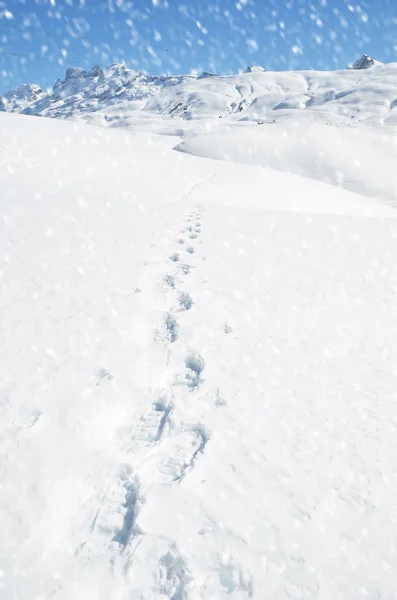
(251, 95)
(86, 91)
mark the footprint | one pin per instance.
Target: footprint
(169, 280)
(181, 453)
(157, 569)
(234, 578)
(173, 575)
(174, 257)
(181, 241)
(103, 375)
(185, 301)
(130, 508)
(165, 410)
(186, 269)
(193, 236)
(119, 506)
(227, 328)
(171, 328)
(219, 400)
(190, 250)
(194, 364)
(150, 425)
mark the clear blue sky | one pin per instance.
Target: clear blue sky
(180, 36)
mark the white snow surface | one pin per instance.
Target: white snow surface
(350, 96)
(358, 159)
(198, 381)
(337, 127)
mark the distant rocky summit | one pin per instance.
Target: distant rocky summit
(365, 62)
(255, 69)
(21, 96)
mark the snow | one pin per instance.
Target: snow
(360, 95)
(365, 97)
(198, 350)
(20, 97)
(83, 91)
(354, 158)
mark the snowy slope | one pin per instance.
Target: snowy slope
(367, 96)
(359, 159)
(337, 127)
(303, 117)
(198, 375)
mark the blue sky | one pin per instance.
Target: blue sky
(180, 36)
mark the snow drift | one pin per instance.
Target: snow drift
(356, 159)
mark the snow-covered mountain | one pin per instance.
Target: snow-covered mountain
(198, 337)
(19, 98)
(255, 95)
(86, 91)
(207, 112)
(335, 96)
(365, 62)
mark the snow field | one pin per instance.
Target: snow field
(198, 379)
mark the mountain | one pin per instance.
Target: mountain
(256, 94)
(263, 96)
(87, 91)
(198, 110)
(365, 62)
(20, 97)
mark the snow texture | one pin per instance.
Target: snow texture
(198, 347)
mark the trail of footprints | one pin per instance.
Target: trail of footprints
(153, 431)
(182, 449)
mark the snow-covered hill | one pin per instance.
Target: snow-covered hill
(198, 347)
(355, 158)
(347, 96)
(303, 116)
(337, 127)
(198, 375)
